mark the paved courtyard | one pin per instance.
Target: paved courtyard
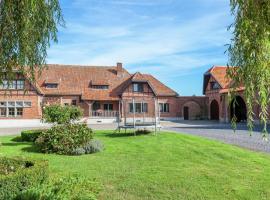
(212, 130)
(222, 132)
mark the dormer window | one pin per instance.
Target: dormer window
(137, 87)
(100, 87)
(51, 85)
(214, 85)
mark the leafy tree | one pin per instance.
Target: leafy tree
(26, 29)
(250, 51)
(61, 114)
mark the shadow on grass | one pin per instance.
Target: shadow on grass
(17, 139)
(15, 143)
(128, 134)
(31, 149)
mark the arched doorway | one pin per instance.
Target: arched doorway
(238, 109)
(214, 110)
(191, 110)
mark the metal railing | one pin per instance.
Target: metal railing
(106, 114)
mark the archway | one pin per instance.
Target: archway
(191, 110)
(214, 110)
(238, 109)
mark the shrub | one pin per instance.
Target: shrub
(63, 188)
(63, 139)
(78, 151)
(93, 146)
(30, 135)
(18, 174)
(61, 114)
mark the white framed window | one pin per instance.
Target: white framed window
(13, 108)
(164, 107)
(137, 87)
(27, 104)
(139, 107)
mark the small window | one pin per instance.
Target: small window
(11, 104)
(137, 87)
(27, 104)
(3, 104)
(108, 107)
(214, 85)
(100, 87)
(20, 84)
(3, 112)
(96, 106)
(11, 112)
(74, 102)
(51, 85)
(19, 104)
(164, 107)
(19, 112)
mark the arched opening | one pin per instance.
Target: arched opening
(214, 110)
(238, 109)
(191, 110)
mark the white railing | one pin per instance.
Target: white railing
(106, 114)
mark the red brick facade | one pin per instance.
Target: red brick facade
(113, 92)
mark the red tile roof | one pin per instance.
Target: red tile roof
(219, 73)
(77, 80)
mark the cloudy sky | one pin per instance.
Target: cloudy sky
(175, 40)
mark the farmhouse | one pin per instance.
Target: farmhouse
(106, 93)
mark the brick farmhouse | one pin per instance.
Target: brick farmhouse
(108, 92)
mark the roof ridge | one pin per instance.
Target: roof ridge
(76, 65)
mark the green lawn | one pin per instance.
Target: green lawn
(167, 166)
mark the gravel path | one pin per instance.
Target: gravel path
(224, 133)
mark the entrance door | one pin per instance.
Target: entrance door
(186, 113)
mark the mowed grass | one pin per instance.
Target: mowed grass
(166, 166)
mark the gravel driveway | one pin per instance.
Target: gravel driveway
(222, 132)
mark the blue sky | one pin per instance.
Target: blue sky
(175, 40)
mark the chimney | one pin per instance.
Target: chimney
(119, 69)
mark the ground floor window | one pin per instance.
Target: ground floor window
(164, 107)
(139, 107)
(108, 107)
(13, 108)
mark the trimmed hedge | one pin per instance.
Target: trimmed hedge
(30, 135)
(18, 174)
(60, 188)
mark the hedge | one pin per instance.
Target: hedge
(30, 135)
(19, 174)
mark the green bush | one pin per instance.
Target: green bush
(18, 174)
(30, 135)
(61, 114)
(63, 139)
(63, 188)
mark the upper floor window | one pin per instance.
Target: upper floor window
(12, 85)
(214, 85)
(51, 85)
(164, 107)
(100, 87)
(137, 87)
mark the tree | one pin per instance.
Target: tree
(26, 29)
(250, 51)
(61, 114)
